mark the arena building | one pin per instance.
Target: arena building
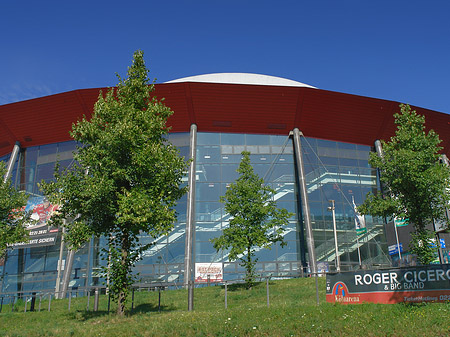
(296, 134)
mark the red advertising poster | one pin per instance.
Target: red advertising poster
(412, 284)
(41, 233)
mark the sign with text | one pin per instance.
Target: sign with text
(413, 284)
(213, 270)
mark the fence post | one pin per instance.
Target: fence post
(40, 299)
(88, 297)
(96, 300)
(226, 295)
(33, 301)
(49, 301)
(159, 299)
(25, 304)
(1, 305)
(132, 299)
(267, 286)
(190, 295)
(12, 306)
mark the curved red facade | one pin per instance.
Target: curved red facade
(214, 107)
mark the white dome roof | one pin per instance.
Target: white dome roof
(241, 78)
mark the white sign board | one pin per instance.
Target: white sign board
(213, 270)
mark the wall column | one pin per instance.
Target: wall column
(11, 161)
(305, 203)
(190, 213)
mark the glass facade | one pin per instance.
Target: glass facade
(333, 171)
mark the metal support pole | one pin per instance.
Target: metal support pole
(96, 300)
(267, 291)
(190, 295)
(332, 208)
(61, 251)
(88, 298)
(67, 272)
(226, 295)
(190, 214)
(359, 251)
(305, 203)
(379, 150)
(11, 161)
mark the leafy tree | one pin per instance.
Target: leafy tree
(255, 220)
(416, 181)
(12, 213)
(127, 176)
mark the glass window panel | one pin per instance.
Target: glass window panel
(331, 192)
(257, 139)
(31, 155)
(261, 170)
(206, 138)
(238, 149)
(261, 158)
(208, 172)
(45, 150)
(208, 154)
(348, 162)
(67, 146)
(175, 252)
(264, 149)
(180, 139)
(281, 172)
(253, 149)
(45, 172)
(231, 158)
(34, 263)
(347, 146)
(206, 234)
(229, 173)
(314, 192)
(208, 211)
(322, 143)
(363, 155)
(232, 139)
(208, 191)
(310, 158)
(278, 140)
(284, 192)
(329, 160)
(226, 150)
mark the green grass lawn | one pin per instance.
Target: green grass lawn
(293, 312)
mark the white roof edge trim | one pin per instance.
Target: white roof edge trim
(241, 78)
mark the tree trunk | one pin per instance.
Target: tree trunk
(123, 277)
(249, 269)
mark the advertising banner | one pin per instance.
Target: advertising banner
(40, 231)
(413, 284)
(213, 270)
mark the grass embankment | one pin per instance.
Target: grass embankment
(292, 312)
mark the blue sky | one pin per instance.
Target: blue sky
(397, 50)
